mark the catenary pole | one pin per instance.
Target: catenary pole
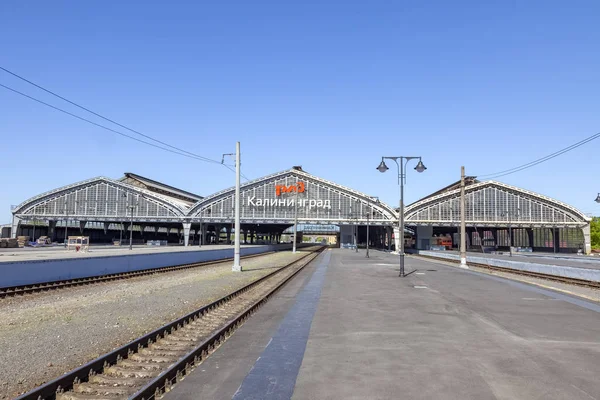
(463, 229)
(236, 254)
(295, 223)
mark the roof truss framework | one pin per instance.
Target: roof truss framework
(490, 203)
(494, 204)
(100, 199)
(346, 205)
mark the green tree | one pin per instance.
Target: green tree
(595, 232)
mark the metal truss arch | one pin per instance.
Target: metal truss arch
(100, 199)
(495, 204)
(346, 206)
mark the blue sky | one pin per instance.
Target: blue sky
(329, 85)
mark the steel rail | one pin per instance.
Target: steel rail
(177, 371)
(50, 390)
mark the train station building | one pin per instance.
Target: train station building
(108, 210)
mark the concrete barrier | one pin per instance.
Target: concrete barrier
(38, 271)
(588, 274)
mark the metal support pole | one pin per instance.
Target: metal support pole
(236, 253)
(66, 225)
(355, 238)
(401, 232)
(131, 230)
(295, 223)
(200, 232)
(463, 225)
(509, 238)
(367, 255)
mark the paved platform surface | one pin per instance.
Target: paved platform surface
(562, 260)
(59, 252)
(439, 333)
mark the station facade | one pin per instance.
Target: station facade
(109, 209)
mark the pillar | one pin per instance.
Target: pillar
(106, 225)
(204, 232)
(388, 237)
(15, 227)
(228, 233)
(82, 225)
(556, 238)
(397, 238)
(186, 233)
(125, 231)
(530, 237)
(252, 234)
(52, 230)
(494, 232)
(511, 232)
(245, 235)
(587, 242)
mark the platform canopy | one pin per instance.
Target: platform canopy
(102, 199)
(274, 199)
(494, 204)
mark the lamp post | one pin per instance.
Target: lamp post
(597, 198)
(401, 178)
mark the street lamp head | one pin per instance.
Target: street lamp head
(382, 167)
(598, 198)
(420, 167)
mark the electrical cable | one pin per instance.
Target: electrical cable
(540, 160)
(107, 119)
(176, 151)
(96, 124)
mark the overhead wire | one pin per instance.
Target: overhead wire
(199, 157)
(171, 148)
(540, 160)
(95, 123)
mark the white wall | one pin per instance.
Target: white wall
(29, 272)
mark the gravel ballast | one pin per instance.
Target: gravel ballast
(45, 335)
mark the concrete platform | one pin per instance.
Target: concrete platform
(60, 253)
(547, 258)
(440, 333)
(55, 266)
(559, 268)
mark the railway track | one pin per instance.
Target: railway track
(148, 366)
(491, 268)
(14, 291)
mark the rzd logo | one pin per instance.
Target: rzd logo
(298, 188)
